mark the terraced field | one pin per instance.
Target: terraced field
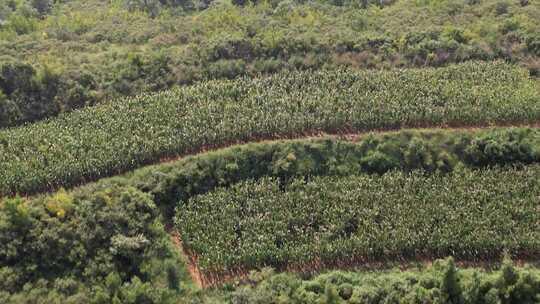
(327, 222)
(270, 152)
(356, 189)
(125, 134)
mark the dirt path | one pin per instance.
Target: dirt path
(204, 280)
(241, 275)
(191, 262)
(343, 134)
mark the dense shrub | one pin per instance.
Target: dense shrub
(442, 282)
(43, 7)
(533, 43)
(140, 74)
(27, 94)
(101, 247)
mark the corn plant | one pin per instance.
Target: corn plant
(469, 214)
(124, 134)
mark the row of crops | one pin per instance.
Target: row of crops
(125, 134)
(325, 221)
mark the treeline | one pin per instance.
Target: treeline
(101, 51)
(442, 282)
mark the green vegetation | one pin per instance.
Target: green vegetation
(441, 283)
(92, 247)
(27, 95)
(99, 88)
(122, 135)
(430, 151)
(99, 49)
(357, 219)
(63, 246)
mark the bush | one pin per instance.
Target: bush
(29, 95)
(152, 7)
(501, 8)
(43, 7)
(226, 69)
(86, 245)
(411, 286)
(144, 74)
(533, 43)
(21, 24)
(9, 112)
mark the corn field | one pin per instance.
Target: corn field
(127, 133)
(468, 214)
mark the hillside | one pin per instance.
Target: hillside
(166, 151)
(56, 56)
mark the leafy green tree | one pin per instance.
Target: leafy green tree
(31, 94)
(450, 284)
(152, 7)
(43, 7)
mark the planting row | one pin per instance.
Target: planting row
(322, 221)
(125, 134)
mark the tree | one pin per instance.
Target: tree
(43, 7)
(30, 94)
(152, 7)
(450, 285)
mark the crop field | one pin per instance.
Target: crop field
(308, 204)
(473, 215)
(127, 133)
(269, 152)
